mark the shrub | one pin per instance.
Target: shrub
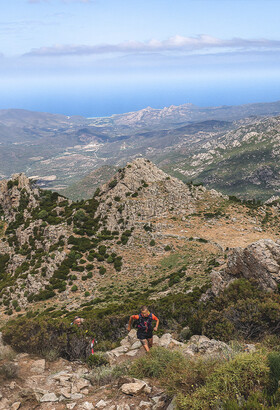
(102, 250)
(106, 375)
(102, 270)
(274, 366)
(152, 242)
(237, 378)
(9, 370)
(74, 288)
(113, 183)
(97, 359)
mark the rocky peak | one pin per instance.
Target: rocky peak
(140, 191)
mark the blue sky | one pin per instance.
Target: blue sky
(108, 56)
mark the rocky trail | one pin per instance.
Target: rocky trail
(29, 382)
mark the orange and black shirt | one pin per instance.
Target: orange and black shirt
(144, 323)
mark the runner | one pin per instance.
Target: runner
(144, 327)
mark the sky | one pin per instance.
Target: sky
(100, 57)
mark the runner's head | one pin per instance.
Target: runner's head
(78, 321)
(144, 311)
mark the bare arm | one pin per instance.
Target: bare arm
(129, 323)
(156, 326)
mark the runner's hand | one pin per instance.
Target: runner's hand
(155, 329)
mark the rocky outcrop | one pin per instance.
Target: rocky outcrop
(259, 261)
(12, 192)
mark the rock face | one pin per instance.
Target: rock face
(259, 261)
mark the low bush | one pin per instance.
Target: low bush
(105, 375)
(97, 359)
(9, 370)
(158, 363)
(235, 379)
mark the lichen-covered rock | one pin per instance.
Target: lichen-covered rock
(202, 345)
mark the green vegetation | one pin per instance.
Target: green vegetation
(243, 381)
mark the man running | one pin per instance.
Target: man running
(144, 327)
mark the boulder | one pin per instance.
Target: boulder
(165, 340)
(135, 388)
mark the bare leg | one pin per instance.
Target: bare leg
(150, 343)
(145, 345)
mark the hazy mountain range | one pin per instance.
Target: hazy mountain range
(209, 145)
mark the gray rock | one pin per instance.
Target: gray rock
(49, 397)
(172, 405)
(145, 405)
(4, 404)
(16, 405)
(123, 407)
(136, 345)
(156, 340)
(89, 406)
(165, 340)
(102, 404)
(66, 392)
(76, 396)
(204, 346)
(135, 388)
(132, 336)
(70, 406)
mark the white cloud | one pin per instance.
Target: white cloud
(173, 44)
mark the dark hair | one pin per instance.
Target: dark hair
(143, 308)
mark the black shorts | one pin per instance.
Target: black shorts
(141, 335)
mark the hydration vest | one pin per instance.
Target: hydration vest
(145, 323)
